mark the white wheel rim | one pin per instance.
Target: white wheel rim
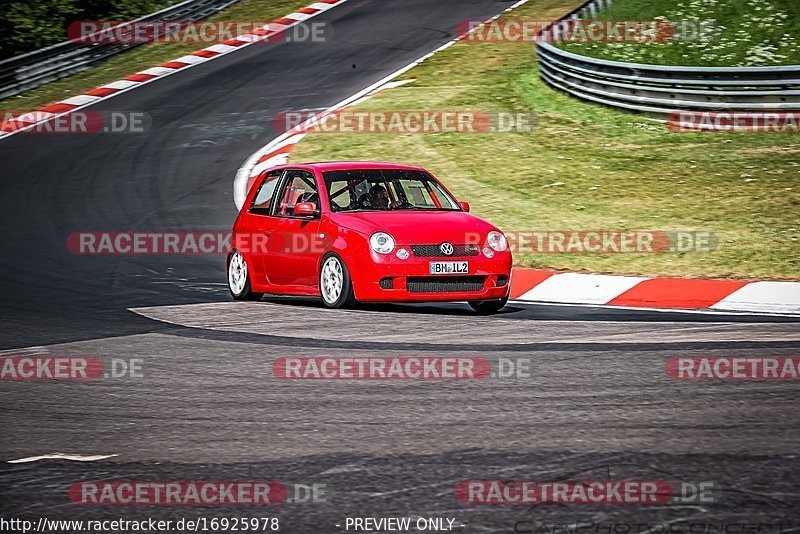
(237, 273)
(331, 280)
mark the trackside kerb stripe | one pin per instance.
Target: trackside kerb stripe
(97, 94)
(677, 293)
(523, 280)
(763, 296)
(577, 287)
(534, 285)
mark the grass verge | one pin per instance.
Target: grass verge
(746, 33)
(587, 167)
(143, 57)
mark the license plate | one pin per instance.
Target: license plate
(449, 267)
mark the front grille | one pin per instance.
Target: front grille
(433, 251)
(445, 284)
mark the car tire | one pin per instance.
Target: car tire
(239, 278)
(488, 307)
(335, 286)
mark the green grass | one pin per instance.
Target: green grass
(143, 57)
(587, 167)
(749, 33)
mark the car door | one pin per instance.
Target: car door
(254, 237)
(294, 245)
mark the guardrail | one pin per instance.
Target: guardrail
(659, 90)
(27, 71)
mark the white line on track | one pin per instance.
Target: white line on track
(25, 351)
(62, 456)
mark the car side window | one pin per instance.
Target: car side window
(298, 186)
(415, 192)
(263, 201)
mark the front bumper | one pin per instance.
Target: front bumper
(386, 278)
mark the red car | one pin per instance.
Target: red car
(364, 232)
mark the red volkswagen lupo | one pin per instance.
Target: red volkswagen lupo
(370, 232)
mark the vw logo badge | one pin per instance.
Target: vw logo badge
(446, 248)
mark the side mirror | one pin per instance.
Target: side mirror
(464, 206)
(305, 209)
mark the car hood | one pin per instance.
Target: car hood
(416, 227)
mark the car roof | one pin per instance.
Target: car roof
(355, 165)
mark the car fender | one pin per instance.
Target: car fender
(353, 248)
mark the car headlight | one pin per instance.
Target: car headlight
(497, 241)
(382, 243)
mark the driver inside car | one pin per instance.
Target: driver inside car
(379, 197)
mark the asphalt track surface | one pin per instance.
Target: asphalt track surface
(596, 404)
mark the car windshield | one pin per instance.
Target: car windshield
(386, 189)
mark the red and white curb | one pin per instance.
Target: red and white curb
(656, 293)
(28, 120)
